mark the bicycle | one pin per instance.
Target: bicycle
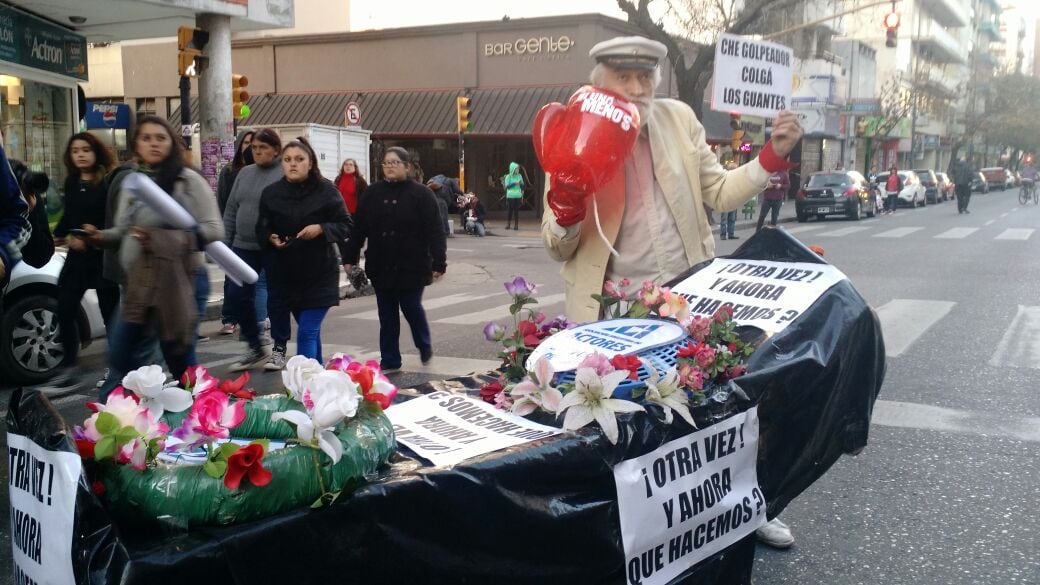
(1027, 192)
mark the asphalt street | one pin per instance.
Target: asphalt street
(945, 492)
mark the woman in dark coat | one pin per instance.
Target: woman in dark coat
(87, 162)
(301, 217)
(399, 219)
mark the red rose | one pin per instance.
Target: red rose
(737, 371)
(98, 488)
(732, 347)
(85, 448)
(529, 333)
(630, 363)
(247, 462)
(236, 388)
(687, 351)
(490, 390)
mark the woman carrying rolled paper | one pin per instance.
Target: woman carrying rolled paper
(160, 260)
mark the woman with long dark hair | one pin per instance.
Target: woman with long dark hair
(350, 184)
(87, 162)
(160, 261)
(398, 217)
(301, 218)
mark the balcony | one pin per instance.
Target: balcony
(986, 57)
(940, 45)
(994, 5)
(989, 29)
(949, 13)
(939, 83)
(817, 9)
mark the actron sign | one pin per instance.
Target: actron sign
(529, 46)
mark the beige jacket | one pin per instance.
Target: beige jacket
(689, 174)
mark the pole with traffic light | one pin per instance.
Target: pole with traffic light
(464, 126)
(190, 42)
(239, 97)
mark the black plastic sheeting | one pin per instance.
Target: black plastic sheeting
(544, 512)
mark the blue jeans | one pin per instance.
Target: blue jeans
(475, 227)
(390, 303)
(308, 332)
(278, 311)
(246, 300)
(727, 223)
(228, 313)
(130, 346)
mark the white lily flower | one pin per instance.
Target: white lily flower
(329, 396)
(297, 371)
(308, 433)
(668, 394)
(536, 391)
(591, 401)
(148, 383)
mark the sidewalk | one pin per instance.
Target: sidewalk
(531, 227)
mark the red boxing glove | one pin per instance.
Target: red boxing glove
(568, 203)
(582, 146)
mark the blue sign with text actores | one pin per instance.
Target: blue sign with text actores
(99, 116)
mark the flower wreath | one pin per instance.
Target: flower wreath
(713, 354)
(329, 427)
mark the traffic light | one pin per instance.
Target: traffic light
(462, 111)
(239, 96)
(891, 29)
(190, 42)
(738, 132)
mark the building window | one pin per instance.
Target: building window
(145, 107)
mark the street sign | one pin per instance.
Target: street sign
(867, 106)
(352, 114)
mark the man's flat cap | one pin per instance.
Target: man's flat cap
(629, 53)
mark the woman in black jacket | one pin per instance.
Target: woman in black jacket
(87, 162)
(301, 218)
(400, 220)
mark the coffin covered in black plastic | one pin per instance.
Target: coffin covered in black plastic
(544, 512)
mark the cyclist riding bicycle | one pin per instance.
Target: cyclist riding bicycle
(1028, 174)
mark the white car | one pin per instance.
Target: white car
(30, 347)
(913, 192)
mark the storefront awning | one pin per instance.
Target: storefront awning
(494, 112)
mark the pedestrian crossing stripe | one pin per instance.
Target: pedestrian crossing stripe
(1015, 234)
(428, 305)
(905, 320)
(1020, 346)
(898, 232)
(957, 233)
(496, 313)
(842, 232)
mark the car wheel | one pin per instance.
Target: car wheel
(802, 218)
(872, 207)
(854, 215)
(34, 351)
(820, 216)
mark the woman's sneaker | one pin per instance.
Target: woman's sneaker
(228, 329)
(277, 360)
(253, 358)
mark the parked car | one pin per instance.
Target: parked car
(29, 323)
(979, 184)
(835, 193)
(946, 186)
(998, 178)
(913, 191)
(931, 185)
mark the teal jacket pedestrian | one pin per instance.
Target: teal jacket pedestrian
(513, 182)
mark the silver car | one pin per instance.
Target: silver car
(30, 347)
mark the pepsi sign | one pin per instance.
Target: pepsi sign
(107, 116)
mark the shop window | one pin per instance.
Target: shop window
(36, 119)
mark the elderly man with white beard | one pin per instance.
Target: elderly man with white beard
(652, 214)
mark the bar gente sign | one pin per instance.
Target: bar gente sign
(530, 46)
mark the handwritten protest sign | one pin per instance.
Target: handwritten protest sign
(447, 428)
(42, 486)
(751, 77)
(689, 499)
(767, 295)
(567, 348)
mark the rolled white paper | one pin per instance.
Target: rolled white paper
(146, 190)
(236, 269)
